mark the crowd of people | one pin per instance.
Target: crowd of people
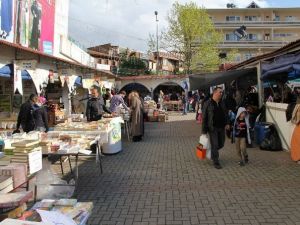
(233, 113)
(33, 113)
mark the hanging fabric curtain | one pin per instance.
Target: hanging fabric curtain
(283, 68)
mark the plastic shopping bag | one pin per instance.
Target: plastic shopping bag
(205, 142)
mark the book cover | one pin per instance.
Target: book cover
(14, 199)
(65, 202)
(7, 189)
(5, 181)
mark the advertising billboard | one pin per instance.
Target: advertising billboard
(34, 24)
(7, 20)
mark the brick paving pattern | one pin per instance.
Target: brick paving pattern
(160, 181)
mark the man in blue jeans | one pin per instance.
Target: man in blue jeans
(215, 120)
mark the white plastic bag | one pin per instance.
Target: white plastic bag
(205, 142)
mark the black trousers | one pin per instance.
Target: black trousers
(217, 140)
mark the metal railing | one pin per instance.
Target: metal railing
(254, 43)
(256, 23)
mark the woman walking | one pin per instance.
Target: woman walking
(136, 116)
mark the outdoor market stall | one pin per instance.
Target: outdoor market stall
(154, 114)
(282, 69)
(23, 152)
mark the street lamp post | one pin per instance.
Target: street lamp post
(157, 53)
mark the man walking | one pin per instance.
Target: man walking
(215, 120)
(25, 117)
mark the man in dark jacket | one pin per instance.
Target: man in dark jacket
(40, 117)
(215, 119)
(95, 106)
(25, 117)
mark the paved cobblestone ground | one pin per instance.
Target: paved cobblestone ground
(160, 181)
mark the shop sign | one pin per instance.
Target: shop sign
(25, 64)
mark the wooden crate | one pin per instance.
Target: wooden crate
(162, 118)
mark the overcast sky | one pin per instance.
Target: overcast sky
(127, 23)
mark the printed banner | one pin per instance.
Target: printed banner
(7, 20)
(35, 24)
(18, 81)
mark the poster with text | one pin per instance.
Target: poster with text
(47, 26)
(35, 24)
(7, 20)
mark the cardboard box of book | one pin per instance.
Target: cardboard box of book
(18, 172)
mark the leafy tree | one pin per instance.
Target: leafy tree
(192, 33)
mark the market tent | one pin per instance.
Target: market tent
(200, 81)
(8, 70)
(285, 67)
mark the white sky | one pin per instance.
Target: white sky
(128, 22)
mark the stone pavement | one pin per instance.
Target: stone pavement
(160, 181)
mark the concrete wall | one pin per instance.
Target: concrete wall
(275, 113)
(61, 25)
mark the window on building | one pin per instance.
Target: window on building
(251, 18)
(233, 18)
(283, 35)
(252, 37)
(231, 37)
(249, 55)
(290, 18)
(277, 18)
(238, 58)
(267, 37)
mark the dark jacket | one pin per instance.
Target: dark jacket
(208, 116)
(40, 117)
(25, 117)
(95, 108)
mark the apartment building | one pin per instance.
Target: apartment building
(107, 56)
(168, 62)
(267, 28)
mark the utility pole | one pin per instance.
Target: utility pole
(157, 53)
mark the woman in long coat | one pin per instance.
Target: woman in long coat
(136, 117)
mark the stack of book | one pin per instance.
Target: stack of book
(45, 146)
(22, 149)
(6, 184)
(29, 153)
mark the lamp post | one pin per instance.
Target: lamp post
(157, 53)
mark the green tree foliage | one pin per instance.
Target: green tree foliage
(131, 65)
(192, 33)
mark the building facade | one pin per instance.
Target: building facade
(267, 29)
(168, 62)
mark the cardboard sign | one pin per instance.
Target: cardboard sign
(35, 161)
